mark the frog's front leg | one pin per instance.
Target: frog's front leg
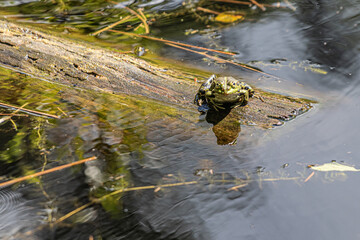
(197, 99)
(207, 85)
(245, 98)
(204, 91)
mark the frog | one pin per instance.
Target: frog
(220, 93)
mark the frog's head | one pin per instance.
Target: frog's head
(221, 85)
(227, 85)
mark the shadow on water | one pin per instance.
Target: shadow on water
(226, 125)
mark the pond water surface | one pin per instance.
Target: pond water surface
(196, 189)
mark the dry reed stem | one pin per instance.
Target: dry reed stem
(66, 216)
(273, 6)
(290, 5)
(172, 42)
(14, 124)
(29, 111)
(219, 60)
(62, 111)
(111, 26)
(259, 97)
(310, 176)
(156, 187)
(140, 10)
(234, 1)
(249, 3)
(9, 117)
(143, 20)
(118, 192)
(141, 16)
(258, 4)
(13, 115)
(236, 188)
(46, 172)
(207, 10)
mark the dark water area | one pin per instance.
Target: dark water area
(258, 188)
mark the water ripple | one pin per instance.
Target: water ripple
(15, 215)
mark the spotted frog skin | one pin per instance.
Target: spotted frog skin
(223, 92)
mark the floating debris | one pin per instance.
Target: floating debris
(334, 166)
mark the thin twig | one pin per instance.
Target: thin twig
(143, 20)
(9, 117)
(28, 110)
(258, 4)
(220, 60)
(19, 109)
(172, 42)
(111, 26)
(207, 10)
(234, 1)
(155, 187)
(73, 212)
(142, 14)
(13, 115)
(290, 5)
(235, 188)
(259, 97)
(14, 124)
(144, 188)
(310, 176)
(16, 180)
(62, 112)
(122, 191)
(277, 5)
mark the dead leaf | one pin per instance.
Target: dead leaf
(228, 17)
(334, 166)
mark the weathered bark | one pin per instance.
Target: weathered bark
(81, 65)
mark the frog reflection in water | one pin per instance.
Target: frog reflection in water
(222, 92)
(216, 97)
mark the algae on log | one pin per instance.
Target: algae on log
(81, 65)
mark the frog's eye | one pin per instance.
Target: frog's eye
(247, 87)
(233, 84)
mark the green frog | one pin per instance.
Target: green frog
(221, 93)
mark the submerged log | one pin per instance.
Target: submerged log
(82, 65)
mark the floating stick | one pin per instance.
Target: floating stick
(28, 110)
(220, 60)
(16, 180)
(172, 42)
(112, 25)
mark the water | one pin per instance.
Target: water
(139, 147)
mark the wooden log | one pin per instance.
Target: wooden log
(83, 65)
